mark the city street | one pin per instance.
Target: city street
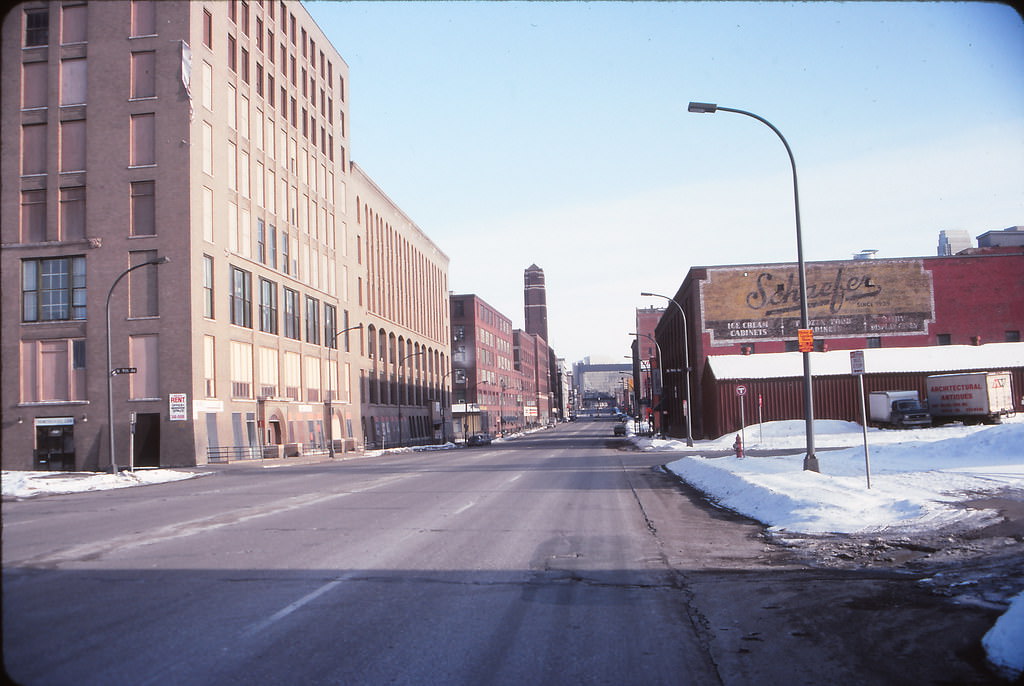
(557, 558)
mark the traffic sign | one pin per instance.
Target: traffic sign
(741, 390)
(857, 361)
(123, 370)
(805, 340)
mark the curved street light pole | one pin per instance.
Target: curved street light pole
(337, 384)
(686, 363)
(401, 390)
(110, 364)
(810, 460)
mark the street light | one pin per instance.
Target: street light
(110, 364)
(337, 383)
(401, 363)
(810, 460)
(686, 363)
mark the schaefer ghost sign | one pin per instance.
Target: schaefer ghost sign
(848, 298)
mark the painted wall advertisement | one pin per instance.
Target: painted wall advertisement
(845, 298)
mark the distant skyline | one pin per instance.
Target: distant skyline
(556, 133)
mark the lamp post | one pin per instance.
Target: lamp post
(810, 460)
(686, 362)
(337, 383)
(401, 363)
(110, 364)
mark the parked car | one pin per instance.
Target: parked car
(619, 430)
(479, 439)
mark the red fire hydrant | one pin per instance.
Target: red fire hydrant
(738, 446)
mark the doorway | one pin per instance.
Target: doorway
(55, 445)
(146, 451)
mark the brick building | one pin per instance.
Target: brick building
(972, 298)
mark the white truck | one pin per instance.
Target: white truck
(970, 397)
(901, 409)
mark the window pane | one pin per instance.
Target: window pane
(73, 82)
(143, 74)
(73, 24)
(72, 145)
(72, 213)
(143, 354)
(143, 18)
(143, 136)
(33, 216)
(37, 27)
(35, 84)
(33, 149)
(143, 198)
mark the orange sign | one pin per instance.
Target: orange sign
(805, 340)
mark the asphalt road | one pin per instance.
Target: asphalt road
(557, 558)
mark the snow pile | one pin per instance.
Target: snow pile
(27, 484)
(1004, 640)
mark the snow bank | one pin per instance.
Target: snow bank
(1003, 642)
(27, 484)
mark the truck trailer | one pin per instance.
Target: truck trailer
(971, 397)
(901, 409)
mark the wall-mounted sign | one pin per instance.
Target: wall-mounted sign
(179, 407)
(844, 298)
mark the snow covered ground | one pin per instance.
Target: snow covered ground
(919, 479)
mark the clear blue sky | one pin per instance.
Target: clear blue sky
(557, 133)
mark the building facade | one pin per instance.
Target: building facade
(233, 165)
(404, 359)
(482, 368)
(970, 299)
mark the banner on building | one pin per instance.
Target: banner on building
(845, 298)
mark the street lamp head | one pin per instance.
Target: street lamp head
(703, 107)
(163, 259)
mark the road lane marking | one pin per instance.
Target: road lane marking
(292, 607)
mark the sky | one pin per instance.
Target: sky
(557, 134)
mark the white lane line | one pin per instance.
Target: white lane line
(288, 609)
(464, 508)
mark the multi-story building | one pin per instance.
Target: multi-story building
(532, 363)
(224, 192)
(405, 357)
(482, 367)
(646, 368)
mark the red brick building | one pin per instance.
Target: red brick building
(972, 298)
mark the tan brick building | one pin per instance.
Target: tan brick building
(213, 134)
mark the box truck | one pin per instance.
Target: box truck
(971, 397)
(902, 409)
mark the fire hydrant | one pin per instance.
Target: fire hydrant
(738, 446)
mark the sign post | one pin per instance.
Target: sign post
(741, 392)
(857, 369)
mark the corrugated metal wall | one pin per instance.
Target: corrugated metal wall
(835, 397)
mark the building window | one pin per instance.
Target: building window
(53, 370)
(35, 84)
(143, 18)
(144, 355)
(875, 342)
(143, 201)
(73, 24)
(144, 74)
(312, 320)
(330, 322)
(1012, 336)
(143, 286)
(72, 145)
(241, 297)
(207, 29)
(292, 374)
(53, 289)
(33, 149)
(37, 27)
(208, 287)
(232, 57)
(209, 367)
(943, 339)
(143, 137)
(73, 82)
(261, 242)
(72, 213)
(33, 216)
(272, 243)
(268, 306)
(284, 252)
(241, 370)
(291, 314)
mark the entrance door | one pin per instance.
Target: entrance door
(147, 439)
(55, 448)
